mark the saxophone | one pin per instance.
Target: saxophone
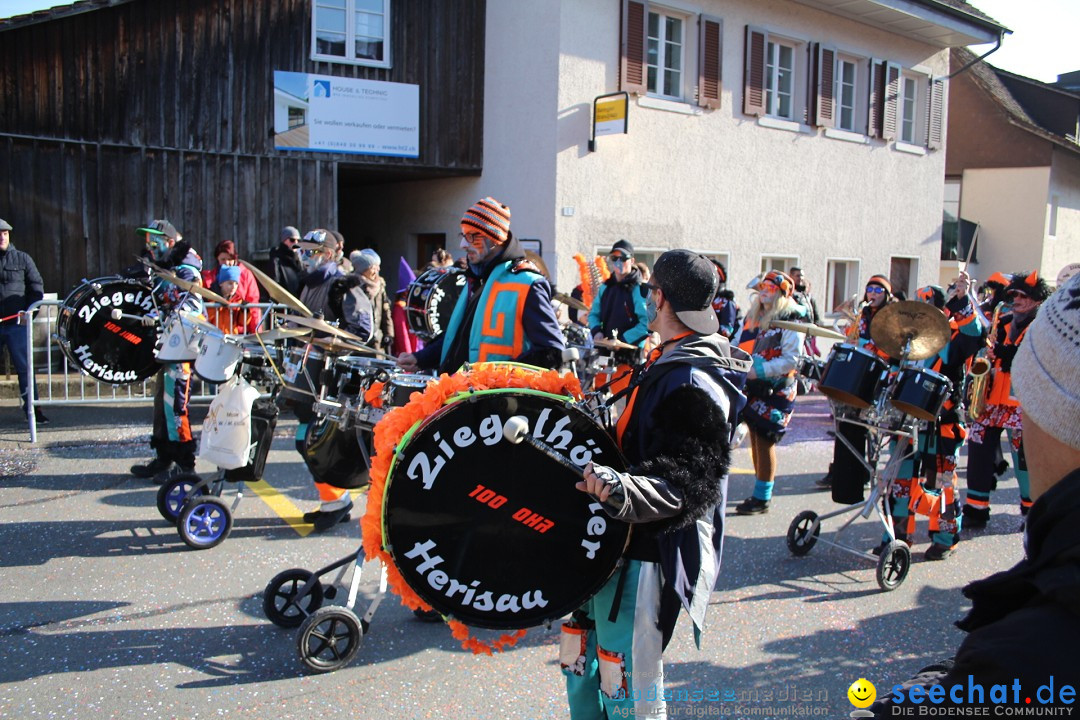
(978, 378)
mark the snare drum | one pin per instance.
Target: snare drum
(116, 350)
(179, 340)
(853, 376)
(302, 369)
(400, 387)
(493, 533)
(219, 356)
(431, 299)
(920, 393)
(353, 375)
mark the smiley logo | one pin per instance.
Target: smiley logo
(862, 693)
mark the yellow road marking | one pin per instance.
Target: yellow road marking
(283, 506)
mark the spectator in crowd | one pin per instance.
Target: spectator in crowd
(247, 289)
(366, 264)
(20, 287)
(285, 260)
(802, 295)
(441, 258)
(234, 319)
(404, 340)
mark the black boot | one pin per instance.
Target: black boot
(152, 468)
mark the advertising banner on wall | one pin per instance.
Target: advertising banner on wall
(345, 115)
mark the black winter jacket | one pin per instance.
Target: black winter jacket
(20, 281)
(1024, 623)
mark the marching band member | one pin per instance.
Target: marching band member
(724, 305)
(676, 434)
(171, 439)
(506, 313)
(1026, 292)
(847, 475)
(618, 310)
(927, 483)
(770, 385)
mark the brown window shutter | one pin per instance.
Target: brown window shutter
(825, 70)
(710, 52)
(633, 77)
(935, 129)
(877, 98)
(890, 116)
(754, 71)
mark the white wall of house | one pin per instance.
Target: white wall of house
(716, 181)
(1010, 205)
(1064, 246)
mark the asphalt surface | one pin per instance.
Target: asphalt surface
(108, 614)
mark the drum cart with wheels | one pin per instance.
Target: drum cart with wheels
(894, 562)
(328, 636)
(195, 505)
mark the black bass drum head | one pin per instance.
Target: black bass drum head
(495, 534)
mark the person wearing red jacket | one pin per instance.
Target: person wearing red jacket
(247, 288)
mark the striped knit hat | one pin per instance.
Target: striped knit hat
(882, 281)
(489, 217)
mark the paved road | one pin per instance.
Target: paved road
(107, 614)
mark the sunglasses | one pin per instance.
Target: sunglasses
(617, 260)
(874, 290)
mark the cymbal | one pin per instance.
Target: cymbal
(897, 323)
(809, 329)
(338, 345)
(190, 286)
(570, 301)
(612, 344)
(323, 326)
(281, 333)
(276, 292)
(538, 262)
(148, 263)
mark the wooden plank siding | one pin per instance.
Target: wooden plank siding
(153, 108)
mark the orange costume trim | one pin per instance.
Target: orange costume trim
(393, 427)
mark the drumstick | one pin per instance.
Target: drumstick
(516, 430)
(117, 315)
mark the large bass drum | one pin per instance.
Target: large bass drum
(492, 533)
(431, 299)
(100, 332)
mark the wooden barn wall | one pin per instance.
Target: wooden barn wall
(165, 108)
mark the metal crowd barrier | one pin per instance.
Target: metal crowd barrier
(88, 391)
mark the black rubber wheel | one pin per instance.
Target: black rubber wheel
(172, 495)
(329, 638)
(204, 522)
(280, 602)
(893, 565)
(799, 538)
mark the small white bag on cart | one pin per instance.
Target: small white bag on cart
(226, 432)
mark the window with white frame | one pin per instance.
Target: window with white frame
(908, 103)
(846, 93)
(841, 283)
(665, 54)
(351, 31)
(777, 262)
(903, 274)
(780, 78)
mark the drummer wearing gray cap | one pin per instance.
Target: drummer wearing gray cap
(676, 435)
(20, 287)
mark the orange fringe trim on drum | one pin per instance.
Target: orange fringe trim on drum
(392, 428)
(373, 395)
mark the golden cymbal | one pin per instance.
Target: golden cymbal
(612, 344)
(281, 333)
(340, 346)
(897, 324)
(808, 328)
(570, 301)
(148, 263)
(325, 327)
(538, 262)
(190, 286)
(276, 292)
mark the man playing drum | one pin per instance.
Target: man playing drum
(506, 313)
(171, 439)
(676, 434)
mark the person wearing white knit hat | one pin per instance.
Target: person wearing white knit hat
(1024, 625)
